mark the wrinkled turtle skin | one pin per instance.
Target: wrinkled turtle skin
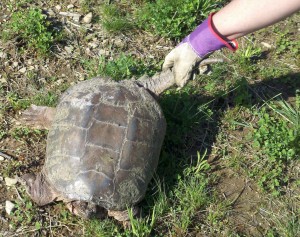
(104, 143)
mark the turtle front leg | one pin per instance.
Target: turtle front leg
(123, 216)
(39, 117)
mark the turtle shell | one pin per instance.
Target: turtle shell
(104, 144)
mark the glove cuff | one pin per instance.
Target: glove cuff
(205, 40)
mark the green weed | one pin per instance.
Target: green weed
(190, 194)
(121, 67)
(274, 140)
(174, 18)
(17, 102)
(285, 44)
(116, 18)
(32, 30)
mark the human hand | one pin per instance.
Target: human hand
(183, 60)
(193, 49)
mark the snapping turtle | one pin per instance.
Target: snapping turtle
(103, 144)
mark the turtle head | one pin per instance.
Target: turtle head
(38, 189)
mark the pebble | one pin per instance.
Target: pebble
(3, 80)
(3, 55)
(87, 18)
(10, 181)
(58, 7)
(2, 158)
(266, 45)
(93, 45)
(69, 49)
(81, 78)
(70, 14)
(15, 64)
(70, 6)
(51, 12)
(119, 43)
(103, 52)
(59, 82)
(105, 42)
(22, 70)
(76, 19)
(9, 206)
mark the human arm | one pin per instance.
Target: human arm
(238, 18)
(241, 17)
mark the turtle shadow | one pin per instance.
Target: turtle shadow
(193, 120)
(193, 127)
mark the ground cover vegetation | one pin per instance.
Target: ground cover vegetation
(230, 160)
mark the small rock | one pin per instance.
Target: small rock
(119, 43)
(9, 206)
(87, 18)
(105, 42)
(29, 62)
(3, 80)
(69, 49)
(93, 45)
(3, 55)
(103, 52)
(15, 64)
(22, 70)
(2, 158)
(266, 45)
(76, 19)
(59, 81)
(70, 14)
(58, 7)
(10, 181)
(87, 51)
(70, 6)
(51, 12)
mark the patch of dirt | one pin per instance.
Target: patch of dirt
(244, 200)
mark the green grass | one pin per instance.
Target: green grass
(31, 30)
(15, 101)
(172, 19)
(275, 143)
(121, 67)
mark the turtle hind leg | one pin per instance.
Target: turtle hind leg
(86, 210)
(39, 117)
(39, 189)
(123, 216)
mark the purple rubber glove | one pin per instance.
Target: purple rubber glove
(193, 49)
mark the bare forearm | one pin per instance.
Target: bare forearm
(241, 17)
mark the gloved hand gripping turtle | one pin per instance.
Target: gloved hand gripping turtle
(193, 49)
